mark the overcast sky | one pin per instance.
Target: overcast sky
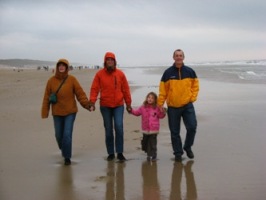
(139, 32)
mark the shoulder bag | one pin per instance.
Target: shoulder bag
(53, 96)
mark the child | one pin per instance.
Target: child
(151, 114)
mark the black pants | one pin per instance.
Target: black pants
(149, 144)
(187, 113)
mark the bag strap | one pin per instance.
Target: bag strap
(60, 85)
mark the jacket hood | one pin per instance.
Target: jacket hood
(61, 75)
(109, 55)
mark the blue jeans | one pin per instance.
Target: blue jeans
(113, 116)
(63, 126)
(186, 112)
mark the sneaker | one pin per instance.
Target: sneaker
(111, 157)
(67, 161)
(178, 158)
(120, 157)
(190, 153)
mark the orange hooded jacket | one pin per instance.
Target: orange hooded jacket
(112, 86)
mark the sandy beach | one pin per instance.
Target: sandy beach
(229, 148)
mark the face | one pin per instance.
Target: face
(179, 58)
(150, 99)
(61, 68)
(110, 63)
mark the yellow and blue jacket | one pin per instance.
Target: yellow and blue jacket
(178, 87)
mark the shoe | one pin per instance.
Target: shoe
(190, 153)
(111, 157)
(178, 158)
(120, 157)
(67, 161)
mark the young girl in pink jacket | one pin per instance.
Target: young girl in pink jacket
(150, 125)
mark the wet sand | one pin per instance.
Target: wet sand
(229, 149)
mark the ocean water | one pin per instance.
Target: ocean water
(245, 70)
(247, 73)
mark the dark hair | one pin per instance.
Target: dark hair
(104, 64)
(179, 50)
(155, 98)
(62, 64)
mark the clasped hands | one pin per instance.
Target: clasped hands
(91, 106)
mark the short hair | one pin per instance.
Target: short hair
(179, 50)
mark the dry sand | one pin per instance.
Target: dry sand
(229, 149)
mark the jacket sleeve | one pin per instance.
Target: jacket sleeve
(80, 94)
(95, 88)
(137, 112)
(126, 91)
(163, 92)
(45, 103)
(195, 89)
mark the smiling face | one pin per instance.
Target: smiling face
(110, 64)
(62, 67)
(178, 58)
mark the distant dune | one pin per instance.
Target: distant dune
(25, 63)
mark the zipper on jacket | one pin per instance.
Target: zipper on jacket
(179, 73)
(115, 82)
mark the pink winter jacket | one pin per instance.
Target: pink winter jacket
(150, 117)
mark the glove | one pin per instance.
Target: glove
(91, 106)
(129, 108)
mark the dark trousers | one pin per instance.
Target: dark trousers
(149, 144)
(187, 113)
(113, 121)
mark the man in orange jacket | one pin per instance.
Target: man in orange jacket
(114, 91)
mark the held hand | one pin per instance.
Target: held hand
(129, 109)
(91, 107)
(162, 109)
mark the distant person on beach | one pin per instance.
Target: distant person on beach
(112, 85)
(150, 124)
(65, 109)
(179, 87)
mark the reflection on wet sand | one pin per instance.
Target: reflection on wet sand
(65, 186)
(176, 181)
(115, 186)
(151, 188)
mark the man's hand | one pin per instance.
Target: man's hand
(162, 109)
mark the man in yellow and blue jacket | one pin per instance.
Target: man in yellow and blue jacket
(179, 87)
